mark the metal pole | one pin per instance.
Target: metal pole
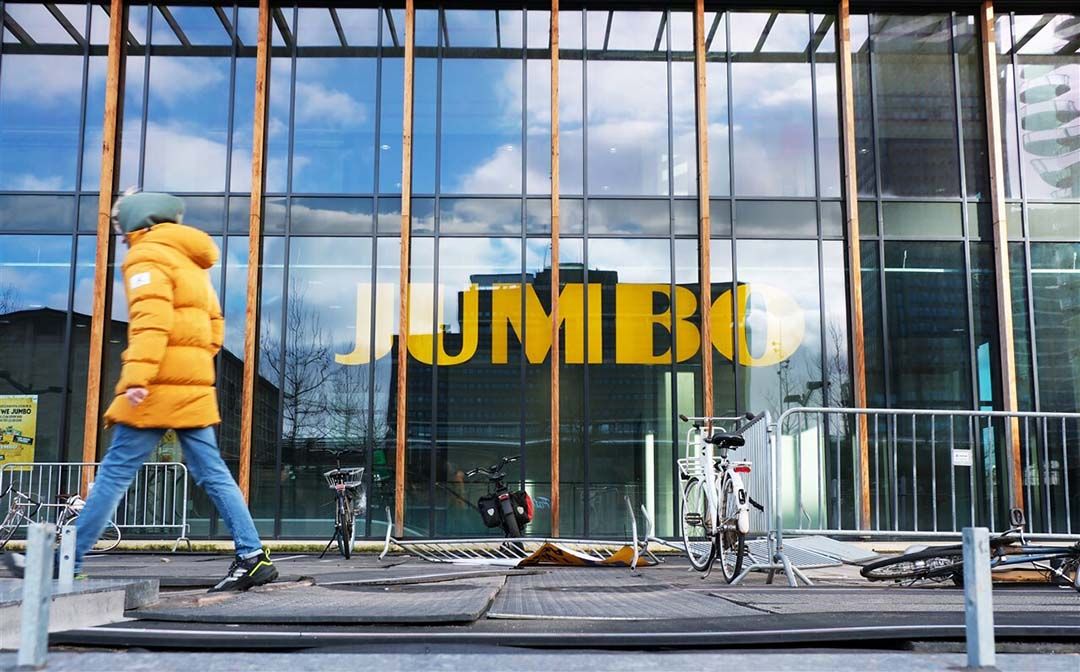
(36, 596)
(66, 575)
(978, 599)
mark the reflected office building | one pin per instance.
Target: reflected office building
(478, 378)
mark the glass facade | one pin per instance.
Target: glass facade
(478, 378)
(52, 90)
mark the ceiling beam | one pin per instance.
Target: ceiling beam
(63, 21)
(393, 29)
(822, 30)
(15, 29)
(1039, 25)
(660, 32)
(171, 20)
(712, 30)
(283, 27)
(225, 22)
(765, 32)
(337, 26)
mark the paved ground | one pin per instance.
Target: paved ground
(523, 661)
(405, 604)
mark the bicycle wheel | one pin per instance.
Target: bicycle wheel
(731, 542)
(696, 528)
(510, 524)
(344, 526)
(109, 540)
(8, 528)
(929, 564)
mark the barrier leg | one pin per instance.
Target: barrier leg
(978, 598)
(36, 596)
(389, 531)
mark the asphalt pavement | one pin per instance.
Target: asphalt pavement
(551, 618)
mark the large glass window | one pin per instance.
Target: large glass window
(52, 83)
(328, 307)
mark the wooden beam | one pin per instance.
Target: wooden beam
(704, 217)
(555, 356)
(251, 312)
(107, 186)
(854, 260)
(1007, 347)
(403, 277)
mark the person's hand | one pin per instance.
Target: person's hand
(136, 395)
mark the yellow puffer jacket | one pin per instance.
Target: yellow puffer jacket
(175, 330)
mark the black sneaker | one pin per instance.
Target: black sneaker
(245, 573)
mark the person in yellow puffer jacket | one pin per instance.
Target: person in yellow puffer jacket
(167, 381)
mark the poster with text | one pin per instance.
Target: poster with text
(18, 428)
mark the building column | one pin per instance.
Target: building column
(103, 254)
(251, 310)
(555, 284)
(854, 254)
(403, 278)
(1007, 347)
(704, 219)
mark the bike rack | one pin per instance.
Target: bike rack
(525, 551)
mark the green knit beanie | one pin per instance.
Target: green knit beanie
(145, 209)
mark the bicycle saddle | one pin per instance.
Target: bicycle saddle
(726, 440)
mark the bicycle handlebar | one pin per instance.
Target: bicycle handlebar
(494, 470)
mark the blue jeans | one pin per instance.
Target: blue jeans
(130, 448)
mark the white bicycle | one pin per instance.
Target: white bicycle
(715, 503)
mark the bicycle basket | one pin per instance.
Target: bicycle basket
(350, 477)
(690, 467)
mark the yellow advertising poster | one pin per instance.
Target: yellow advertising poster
(18, 427)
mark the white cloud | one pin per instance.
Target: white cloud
(26, 182)
(498, 174)
(315, 102)
(43, 80)
(176, 80)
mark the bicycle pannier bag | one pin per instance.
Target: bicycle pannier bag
(489, 510)
(523, 507)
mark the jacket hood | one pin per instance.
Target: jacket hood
(189, 241)
(142, 210)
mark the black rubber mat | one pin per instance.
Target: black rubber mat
(461, 601)
(605, 595)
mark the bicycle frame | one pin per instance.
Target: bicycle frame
(707, 463)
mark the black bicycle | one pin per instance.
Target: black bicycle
(348, 486)
(511, 511)
(1060, 564)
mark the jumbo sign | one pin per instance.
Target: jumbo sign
(779, 323)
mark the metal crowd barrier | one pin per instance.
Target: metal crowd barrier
(156, 502)
(929, 473)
